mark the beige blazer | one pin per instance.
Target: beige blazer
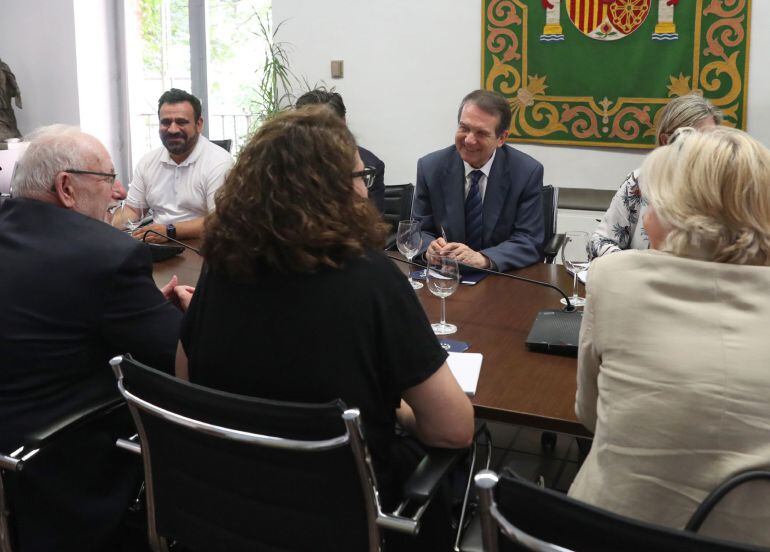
(674, 381)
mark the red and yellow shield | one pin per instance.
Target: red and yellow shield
(608, 19)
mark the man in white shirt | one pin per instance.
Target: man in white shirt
(177, 181)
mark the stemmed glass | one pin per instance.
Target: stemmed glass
(443, 277)
(409, 241)
(574, 256)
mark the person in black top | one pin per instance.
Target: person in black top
(334, 101)
(298, 303)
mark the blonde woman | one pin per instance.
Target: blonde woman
(677, 396)
(621, 226)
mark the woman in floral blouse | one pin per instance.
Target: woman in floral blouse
(621, 226)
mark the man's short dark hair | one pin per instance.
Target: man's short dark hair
(321, 96)
(175, 96)
(490, 102)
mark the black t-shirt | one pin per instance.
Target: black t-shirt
(357, 333)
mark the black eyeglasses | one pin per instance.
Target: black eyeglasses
(111, 176)
(368, 175)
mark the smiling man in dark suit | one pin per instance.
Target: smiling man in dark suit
(479, 201)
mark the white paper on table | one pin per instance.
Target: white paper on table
(583, 276)
(466, 368)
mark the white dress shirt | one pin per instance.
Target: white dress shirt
(483, 180)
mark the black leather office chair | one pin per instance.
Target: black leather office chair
(52, 449)
(398, 207)
(224, 144)
(225, 471)
(552, 241)
(533, 518)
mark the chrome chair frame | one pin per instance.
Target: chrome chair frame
(492, 520)
(377, 519)
(13, 462)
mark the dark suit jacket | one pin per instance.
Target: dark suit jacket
(73, 293)
(513, 211)
(377, 191)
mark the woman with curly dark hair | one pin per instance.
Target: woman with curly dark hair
(298, 302)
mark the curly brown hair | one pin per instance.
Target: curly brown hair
(289, 202)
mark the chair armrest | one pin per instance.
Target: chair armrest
(87, 412)
(432, 469)
(715, 496)
(390, 243)
(57, 429)
(130, 444)
(472, 540)
(551, 249)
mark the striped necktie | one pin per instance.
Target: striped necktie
(474, 221)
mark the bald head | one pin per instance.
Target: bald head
(40, 173)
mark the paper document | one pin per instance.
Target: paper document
(465, 368)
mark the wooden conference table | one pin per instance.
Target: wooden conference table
(494, 316)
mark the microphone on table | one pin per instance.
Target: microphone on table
(144, 239)
(568, 308)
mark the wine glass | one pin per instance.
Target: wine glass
(409, 241)
(574, 256)
(443, 277)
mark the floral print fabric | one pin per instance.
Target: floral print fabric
(621, 226)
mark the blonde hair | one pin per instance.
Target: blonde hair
(711, 191)
(685, 111)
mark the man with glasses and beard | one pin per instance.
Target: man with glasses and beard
(178, 180)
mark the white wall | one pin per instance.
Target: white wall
(408, 63)
(38, 43)
(65, 58)
(98, 77)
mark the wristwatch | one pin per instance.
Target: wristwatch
(171, 231)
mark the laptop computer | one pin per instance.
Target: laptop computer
(8, 160)
(555, 332)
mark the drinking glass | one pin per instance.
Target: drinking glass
(443, 277)
(409, 241)
(131, 217)
(574, 256)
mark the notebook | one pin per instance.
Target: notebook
(466, 368)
